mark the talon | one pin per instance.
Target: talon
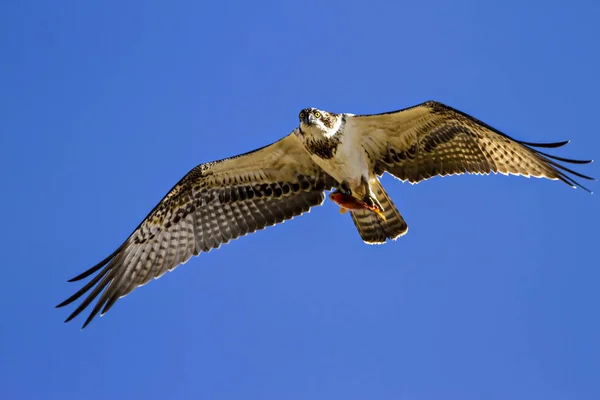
(380, 213)
(374, 205)
(372, 202)
(349, 203)
(344, 188)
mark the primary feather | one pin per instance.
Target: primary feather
(214, 203)
(223, 200)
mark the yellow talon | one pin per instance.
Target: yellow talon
(379, 213)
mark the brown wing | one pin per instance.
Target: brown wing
(432, 139)
(214, 203)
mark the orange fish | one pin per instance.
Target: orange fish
(350, 203)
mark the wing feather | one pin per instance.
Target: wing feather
(213, 204)
(433, 139)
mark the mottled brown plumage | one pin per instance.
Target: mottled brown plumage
(212, 204)
(432, 139)
(222, 200)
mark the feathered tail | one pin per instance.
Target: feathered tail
(372, 228)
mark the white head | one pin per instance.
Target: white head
(319, 123)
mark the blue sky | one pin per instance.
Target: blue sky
(493, 293)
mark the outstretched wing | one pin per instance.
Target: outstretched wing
(214, 203)
(432, 139)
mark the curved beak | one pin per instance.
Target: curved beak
(308, 118)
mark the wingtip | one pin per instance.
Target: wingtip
(79, 277)
(63, 303)
(589, 191)
(551, 145)
(87, 321)
(584, 188)
(69, 318)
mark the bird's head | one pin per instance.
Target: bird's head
(319, 123)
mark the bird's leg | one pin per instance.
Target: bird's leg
(371, 202)
(369, 199)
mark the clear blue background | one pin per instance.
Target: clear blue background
(493, 294)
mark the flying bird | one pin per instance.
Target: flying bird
(221, 200)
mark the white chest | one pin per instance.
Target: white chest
(349, 162)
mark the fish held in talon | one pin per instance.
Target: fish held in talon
(348, 202)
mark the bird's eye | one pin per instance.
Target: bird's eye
(317, 114)
(301, 115)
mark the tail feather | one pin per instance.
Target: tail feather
(372, 228)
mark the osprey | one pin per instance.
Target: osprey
(222, 200)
